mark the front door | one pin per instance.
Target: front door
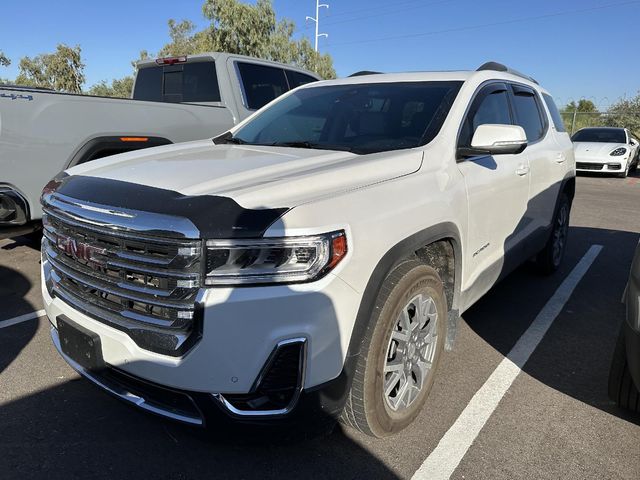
(497, 192)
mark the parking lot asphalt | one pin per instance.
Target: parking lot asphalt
(554, 421)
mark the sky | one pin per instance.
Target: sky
(574, 48)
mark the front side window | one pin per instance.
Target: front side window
(261, 83)
(491, 107)
(528, 114)
(364, 118)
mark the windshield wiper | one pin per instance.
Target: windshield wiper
(228, 137)
(316, 146)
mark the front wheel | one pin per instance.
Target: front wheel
(400, 352)
(550, 257)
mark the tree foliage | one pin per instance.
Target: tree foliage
(625, 113)
(117, 88)
(583, 105)
(4, 61)
(62, 70)
(246, 29)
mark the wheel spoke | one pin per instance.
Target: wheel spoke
(396, 366)
(391, 382)
(400, 337)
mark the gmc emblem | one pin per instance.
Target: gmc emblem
(79, 250)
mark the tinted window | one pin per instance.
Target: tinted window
(492, 108)
(603, 135)
(360, 118)
(555, 114)
(148, 84)
(261, 83)
(296, 78)
(188, 82)
(528, 114)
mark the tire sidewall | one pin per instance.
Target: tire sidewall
(420, 279)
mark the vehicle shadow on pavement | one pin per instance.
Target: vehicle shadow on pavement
(13, 289)
(575, 355)
(31, 241)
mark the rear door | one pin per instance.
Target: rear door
(546, 161)
(497, 191)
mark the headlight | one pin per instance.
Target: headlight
(618, 151)
(273, 260)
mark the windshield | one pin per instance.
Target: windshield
(363, 118)
(602, 135)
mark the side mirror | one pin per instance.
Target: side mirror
(493, 139)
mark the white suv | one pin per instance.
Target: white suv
(313, 261)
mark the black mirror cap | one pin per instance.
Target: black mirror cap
(513, 149)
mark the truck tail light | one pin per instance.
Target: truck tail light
(171, 60)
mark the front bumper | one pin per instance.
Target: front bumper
(602, 165)
(241, 329)
(314, 405)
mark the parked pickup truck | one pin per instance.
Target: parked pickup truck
(312, 262)
(174, 100)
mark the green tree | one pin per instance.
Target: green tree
(246, 29)
(625, 113)
(580, 115)
(4, 61)
(118, 88)
(62, 70)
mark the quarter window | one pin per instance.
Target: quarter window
(528, 114)
(261, 83)
(296, 78)
(555, 114)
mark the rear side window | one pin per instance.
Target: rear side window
(261, 83)
(555, 113)
(528, 114)
(296, 79)
(490, 106)
(187, 82)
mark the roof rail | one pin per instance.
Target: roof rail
(499, 67)
(363, 72)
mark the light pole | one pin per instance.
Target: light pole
(317, 21)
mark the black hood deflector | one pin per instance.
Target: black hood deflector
(214, 216)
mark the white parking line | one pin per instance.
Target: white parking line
(22, 318)
(453, 446)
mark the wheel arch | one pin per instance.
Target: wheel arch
(98, 147)
(426, 245)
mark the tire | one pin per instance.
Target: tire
(626, 171)
(368, 409)
(621, 387)
(550, 257)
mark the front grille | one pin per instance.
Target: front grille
(589, 166)
(143, 285)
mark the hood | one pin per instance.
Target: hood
(597, 150)
(254, 176)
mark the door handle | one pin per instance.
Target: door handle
(560, 158)
(522, 170)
